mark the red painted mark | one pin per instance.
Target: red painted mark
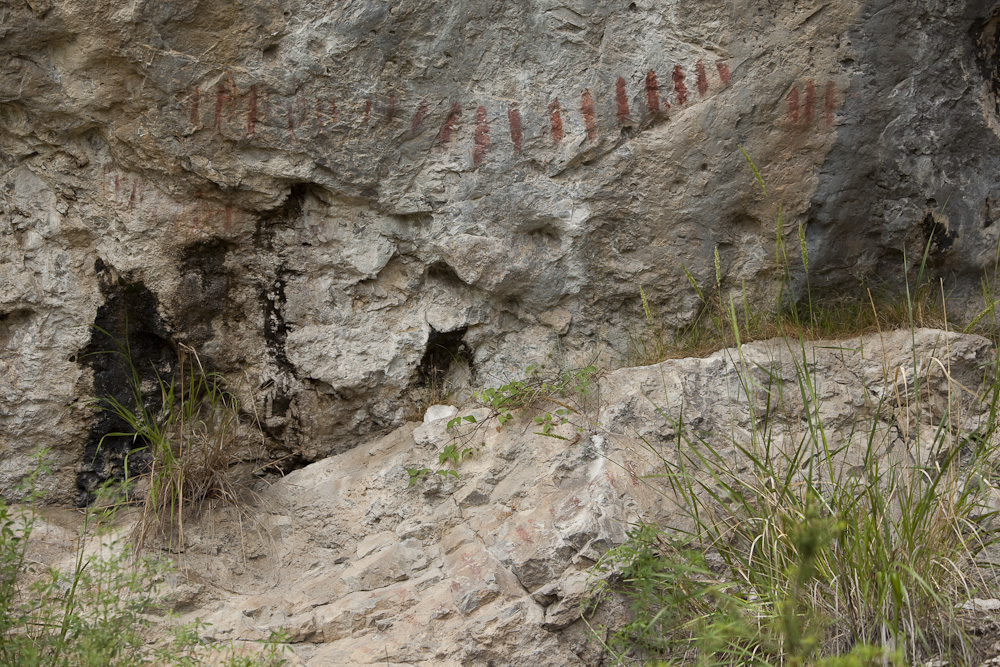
(229, 217)
(390, 110)
(555, 121)
(810, 102)
(622, 100)
(524, 534)
(679, 87)
(723, 72)
(454, 113)
(333, 109)
(220, 100)
(589, 121)
(514, 121)
(252, 111)
(632, 474)
(117, 185)
(131, 199)
(195, 97)
(290, 111)
(320, 116)
(368, 110)
(652, 92)
(793, 104)
(418, 117)
(611, 479)
(830, 102)
(473, 566)
(481, 138)
(232, 95)
(699, 69)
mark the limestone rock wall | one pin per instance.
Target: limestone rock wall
(336, 201)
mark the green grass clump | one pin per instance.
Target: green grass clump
(782, 553)
(191, 437)
(100, 612)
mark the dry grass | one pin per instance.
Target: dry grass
(192, 441)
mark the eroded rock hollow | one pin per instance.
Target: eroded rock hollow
(342, 202)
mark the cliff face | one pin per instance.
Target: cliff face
(339, 202)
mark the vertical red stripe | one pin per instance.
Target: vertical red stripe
(514, 121)
(481, 139)
(195, 97)
(589, 120)
(810, 102)
(418, 117)
(699, 69)
(622, 100)
(252, 111)
(830, 103)
(679, 88)
(723, 69)
(449, 123)
(793, 104)
(555, 121)
(652, 92)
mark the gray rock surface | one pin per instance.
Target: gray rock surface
(339, 202)
(494, 567)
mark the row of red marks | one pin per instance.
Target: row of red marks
(130, 192)
(802, 103)
(228, 98)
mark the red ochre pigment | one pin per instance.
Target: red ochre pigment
(810, 102)
(679, 88)
(622, 100)
(233, 96)
(195, 96)
(220, 100)
(368, 110)
(229, 217)
(830, 101)
(290, 111)
(699, 69)
(320, 119)
(589, 121)
(723, 69)
(418, 117)
(252, 111)
(514, 121)
(793, 104)
(555, 121)
(454, 113)
(481, 138)
(652, 92)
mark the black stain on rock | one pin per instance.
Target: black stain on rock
(129, 320)
(204, 291)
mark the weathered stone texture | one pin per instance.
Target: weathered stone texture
(494, 566)
(312, 195)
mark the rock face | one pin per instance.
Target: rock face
(341, 202)
(494, 567)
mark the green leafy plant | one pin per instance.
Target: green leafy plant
(503, 403)
(537, 387)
